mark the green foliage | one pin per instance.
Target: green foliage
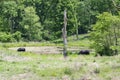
(31, 25)
(6, 37)
(105, 34)
(68, 71)
(17, 36)
(38, 20)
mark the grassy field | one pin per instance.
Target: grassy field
(82, 42)
(31, 66)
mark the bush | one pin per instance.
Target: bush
(105, 34)
(6, 37)
(17, 36)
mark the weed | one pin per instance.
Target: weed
(68, 71)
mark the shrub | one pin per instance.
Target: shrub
(17, 36)
(105, 34)
(6, 37)
(67, 71)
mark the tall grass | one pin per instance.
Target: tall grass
(49, 67)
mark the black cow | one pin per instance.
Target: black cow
(84, 52)
(21, 49)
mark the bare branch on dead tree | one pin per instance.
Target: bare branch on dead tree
(115, 5)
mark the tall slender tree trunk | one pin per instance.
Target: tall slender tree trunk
(65, 34)
(116, 41)
(76, 25)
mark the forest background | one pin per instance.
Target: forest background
(39, 20)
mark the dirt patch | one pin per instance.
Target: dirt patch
(47, 49)
(25, 76)
(15, 58)
(41, 50)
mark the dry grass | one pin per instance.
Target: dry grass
(30, 66)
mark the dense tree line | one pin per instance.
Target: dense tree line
(36, 20)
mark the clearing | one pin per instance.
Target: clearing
(49, 49)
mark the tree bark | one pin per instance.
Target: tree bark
(65, 34)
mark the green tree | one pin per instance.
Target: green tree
(31, 27)
(53, 22)
(88, 10)
(74, 5)
(9, 12)
(106, 33)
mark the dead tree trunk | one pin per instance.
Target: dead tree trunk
(64, 31)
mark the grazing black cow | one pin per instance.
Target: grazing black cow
(84, 52)
(21, 49)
